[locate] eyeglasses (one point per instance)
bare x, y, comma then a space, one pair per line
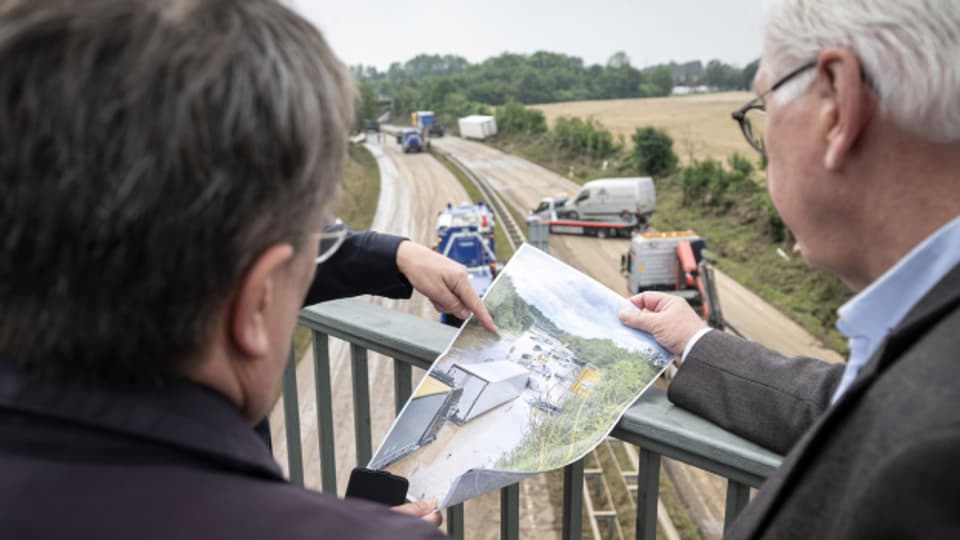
752, 117
331, 239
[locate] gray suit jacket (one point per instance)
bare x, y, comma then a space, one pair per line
880, 463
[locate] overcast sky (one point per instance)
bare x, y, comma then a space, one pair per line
378, 32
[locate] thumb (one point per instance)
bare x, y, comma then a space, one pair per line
639, 319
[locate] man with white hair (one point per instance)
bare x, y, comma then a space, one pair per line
862, 137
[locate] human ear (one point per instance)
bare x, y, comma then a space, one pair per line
849, 104
255, 297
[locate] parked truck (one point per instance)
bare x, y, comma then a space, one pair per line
602, 208
411, 140
674, 262
465, 234
478, 127
612, 199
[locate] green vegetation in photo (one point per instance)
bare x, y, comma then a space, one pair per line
553, 440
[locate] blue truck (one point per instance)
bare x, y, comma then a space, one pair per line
412, 140
465, 234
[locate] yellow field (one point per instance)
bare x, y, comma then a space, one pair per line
700, 125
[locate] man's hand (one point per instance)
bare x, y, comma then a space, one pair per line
669, 318
425, 510
444, 282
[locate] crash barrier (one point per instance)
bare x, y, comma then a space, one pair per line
652, 423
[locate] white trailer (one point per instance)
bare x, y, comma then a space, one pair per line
477, 126
485, 385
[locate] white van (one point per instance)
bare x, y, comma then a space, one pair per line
611, 199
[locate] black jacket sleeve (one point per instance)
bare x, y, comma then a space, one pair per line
366, 263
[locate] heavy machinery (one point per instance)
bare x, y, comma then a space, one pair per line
674, 262
465, 234
412, 140
553, 212
602, 208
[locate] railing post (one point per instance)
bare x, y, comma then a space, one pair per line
321, 378
648, 492
738, 495
401, 383
510, 512
573, 501
361, 404
455, 521
291, 414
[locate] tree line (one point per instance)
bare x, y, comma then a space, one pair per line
451, 84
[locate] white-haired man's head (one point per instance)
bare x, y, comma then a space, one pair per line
909, 50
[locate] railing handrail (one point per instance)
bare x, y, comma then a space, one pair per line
652, 422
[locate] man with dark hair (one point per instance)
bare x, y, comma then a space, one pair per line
167, 170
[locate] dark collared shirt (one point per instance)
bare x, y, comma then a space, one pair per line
170, 461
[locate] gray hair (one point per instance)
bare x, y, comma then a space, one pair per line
149, 151
910, 49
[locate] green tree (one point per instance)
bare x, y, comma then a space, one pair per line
366, 102
749, 73
653, 152
661, 81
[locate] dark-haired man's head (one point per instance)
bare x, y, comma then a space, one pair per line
164, 167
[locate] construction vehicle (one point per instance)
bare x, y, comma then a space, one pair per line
603, 208
674, 262
411, 140
465, 234
553, 212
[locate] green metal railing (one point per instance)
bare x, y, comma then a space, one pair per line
652, 423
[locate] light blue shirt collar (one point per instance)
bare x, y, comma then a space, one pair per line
868, 317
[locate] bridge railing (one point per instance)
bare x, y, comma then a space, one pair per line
652, 423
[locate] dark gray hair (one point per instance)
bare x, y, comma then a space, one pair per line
149, 151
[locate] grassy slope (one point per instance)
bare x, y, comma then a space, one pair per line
357, 206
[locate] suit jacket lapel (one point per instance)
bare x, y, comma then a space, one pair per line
940, 301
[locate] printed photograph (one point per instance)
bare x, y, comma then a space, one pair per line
537, 396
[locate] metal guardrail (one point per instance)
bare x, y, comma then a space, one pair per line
652, 423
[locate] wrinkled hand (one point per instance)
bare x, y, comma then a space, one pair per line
425, 510
669, 318
444, 282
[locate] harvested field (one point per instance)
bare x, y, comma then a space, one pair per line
700, 125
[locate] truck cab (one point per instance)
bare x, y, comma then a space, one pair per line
550, 208
465, 234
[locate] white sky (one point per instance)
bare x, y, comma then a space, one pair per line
378, 32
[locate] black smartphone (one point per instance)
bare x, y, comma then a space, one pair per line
377, 486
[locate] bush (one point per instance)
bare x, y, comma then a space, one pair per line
588, 137
515, 118
653, 152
